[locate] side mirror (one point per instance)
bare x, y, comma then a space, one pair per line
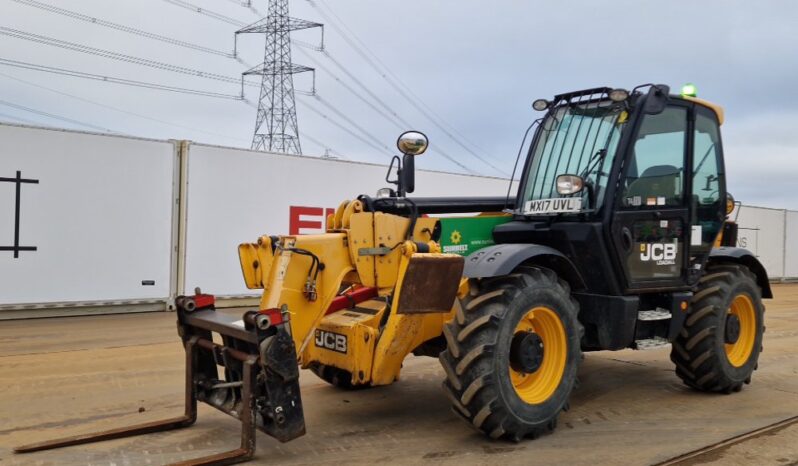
657, 99
570, 184
411, 144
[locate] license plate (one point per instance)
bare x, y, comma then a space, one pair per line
553, 206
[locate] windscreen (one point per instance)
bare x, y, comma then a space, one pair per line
577, 139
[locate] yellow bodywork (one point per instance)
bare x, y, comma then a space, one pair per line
360, 249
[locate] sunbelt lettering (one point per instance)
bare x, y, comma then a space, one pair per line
456, 248
331, 341
661, 253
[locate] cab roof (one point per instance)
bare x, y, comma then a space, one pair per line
712, 106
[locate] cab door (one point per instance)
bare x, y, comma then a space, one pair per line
651, 221
708, 208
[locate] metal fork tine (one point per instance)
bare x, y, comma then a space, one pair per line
185, 420
138, 429
247, 417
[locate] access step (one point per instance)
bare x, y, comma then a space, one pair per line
656, 314
651, 343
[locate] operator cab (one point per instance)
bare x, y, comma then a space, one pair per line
629, 186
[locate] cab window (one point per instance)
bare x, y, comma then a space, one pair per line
654, 176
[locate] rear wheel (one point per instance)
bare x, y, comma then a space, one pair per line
719, 346
512, 354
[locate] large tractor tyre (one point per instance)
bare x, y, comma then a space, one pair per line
718, 347
336, 377
513, 350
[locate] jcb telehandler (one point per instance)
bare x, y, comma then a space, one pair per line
608, 243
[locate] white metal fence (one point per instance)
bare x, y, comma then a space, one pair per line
120, 223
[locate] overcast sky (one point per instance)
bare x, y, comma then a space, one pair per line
477, 65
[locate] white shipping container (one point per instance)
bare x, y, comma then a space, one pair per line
761, 231
791, 246
100, 216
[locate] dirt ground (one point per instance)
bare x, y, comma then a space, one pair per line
75, 375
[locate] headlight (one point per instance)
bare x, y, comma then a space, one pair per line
385, 192
619, 95
541, 104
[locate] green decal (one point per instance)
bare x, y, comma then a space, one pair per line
464, 235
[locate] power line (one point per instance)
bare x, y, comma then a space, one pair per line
109, 107
247, 4
146, 62
344, 128
353, 91
321, 144
365, 88
118, 56
393, 75
137, 60
18, 119
396, 120
54, 116
344, 117
393, 82
122, 27
206, 12
316, 141
110, 79
406, 125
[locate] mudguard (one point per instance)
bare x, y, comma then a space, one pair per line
502, 259
747, 258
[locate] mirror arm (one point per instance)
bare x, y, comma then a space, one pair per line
407, 175
398, 161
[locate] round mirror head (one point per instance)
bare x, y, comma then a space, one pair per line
412, 142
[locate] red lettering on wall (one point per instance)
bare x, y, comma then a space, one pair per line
302, 218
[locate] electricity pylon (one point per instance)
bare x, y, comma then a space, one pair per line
276, 128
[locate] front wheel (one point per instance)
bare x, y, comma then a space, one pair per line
718, 347
513, 351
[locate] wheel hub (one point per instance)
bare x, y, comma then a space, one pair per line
732, 332
526, 352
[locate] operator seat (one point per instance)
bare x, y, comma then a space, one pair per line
657, 181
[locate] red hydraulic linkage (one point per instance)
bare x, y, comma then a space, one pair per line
351, 298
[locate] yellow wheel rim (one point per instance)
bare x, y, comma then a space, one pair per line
739, 351
539, 386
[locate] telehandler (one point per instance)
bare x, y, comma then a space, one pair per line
611, 241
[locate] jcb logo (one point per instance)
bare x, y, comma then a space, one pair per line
331, 341
662, 253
